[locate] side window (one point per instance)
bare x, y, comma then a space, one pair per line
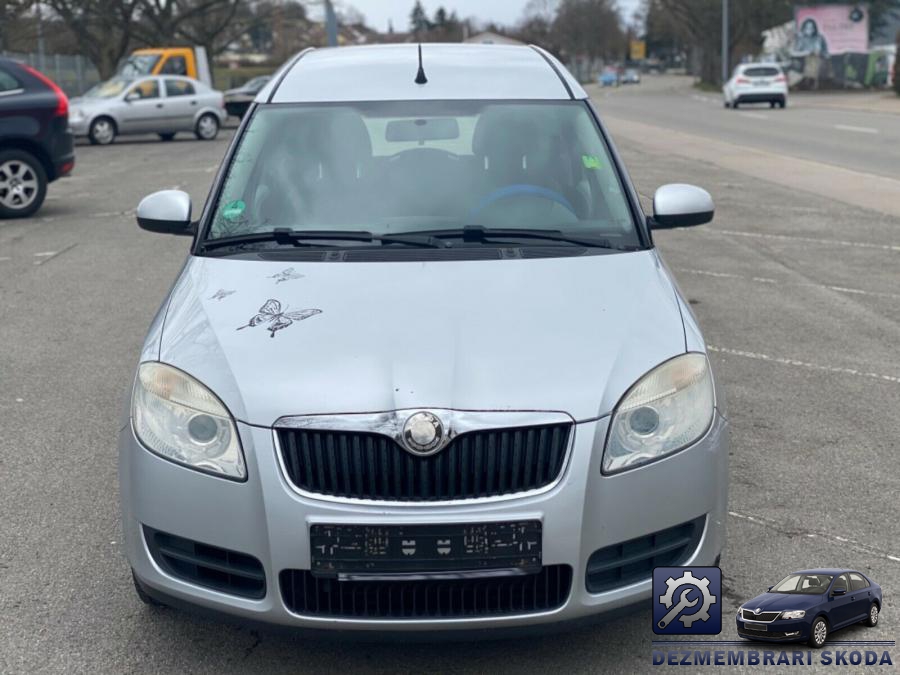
841, 582
857, 582
179, 88
145, 89
8, 82
174, 65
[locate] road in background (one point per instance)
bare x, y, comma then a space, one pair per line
798, 296
834, 129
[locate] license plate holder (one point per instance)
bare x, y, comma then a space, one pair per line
753, 625
432, 549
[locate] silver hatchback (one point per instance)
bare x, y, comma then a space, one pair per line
162, 105
424, 368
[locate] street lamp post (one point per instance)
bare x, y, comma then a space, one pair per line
724, 41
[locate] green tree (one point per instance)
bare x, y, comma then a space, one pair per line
418, 19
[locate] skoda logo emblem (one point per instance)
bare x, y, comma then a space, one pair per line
423, 433
757, 610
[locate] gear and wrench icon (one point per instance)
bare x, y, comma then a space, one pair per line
701, 585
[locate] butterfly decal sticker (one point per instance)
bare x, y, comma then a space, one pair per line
276, 318
285, 275
221, 294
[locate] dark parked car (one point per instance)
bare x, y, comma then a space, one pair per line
810, 605
239, 99
35, 143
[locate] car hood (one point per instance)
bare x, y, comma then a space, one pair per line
770, 602
565, 334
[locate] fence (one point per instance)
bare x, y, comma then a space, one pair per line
74, 74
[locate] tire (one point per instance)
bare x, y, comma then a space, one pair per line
818, 634
102, 131
872, 621
142, 594
23, 184
782, 104
167, 136
735, 105
772, 104
207, 127
727, 104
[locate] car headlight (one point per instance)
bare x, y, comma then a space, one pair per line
182, 420
75, 114
666, 410
794, 614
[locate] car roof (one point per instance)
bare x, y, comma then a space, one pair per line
831, 570
453, 71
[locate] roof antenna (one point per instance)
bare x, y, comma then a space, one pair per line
420, 76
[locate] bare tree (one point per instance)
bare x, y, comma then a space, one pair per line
102, 28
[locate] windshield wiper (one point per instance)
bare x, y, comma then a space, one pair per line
288, 237
484, 235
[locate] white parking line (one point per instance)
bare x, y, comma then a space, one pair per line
767, 280
755, 116
804, 364
858, 130
844, 542
812, 240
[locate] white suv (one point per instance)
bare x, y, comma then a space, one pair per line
756, 83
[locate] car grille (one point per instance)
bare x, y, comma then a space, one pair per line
634, 560
476, 464
209, 566
749, 632
762, 616
309, 595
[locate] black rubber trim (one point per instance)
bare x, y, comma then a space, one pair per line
286, 70
555, 70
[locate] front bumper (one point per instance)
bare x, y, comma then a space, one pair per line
790, 630
262, 517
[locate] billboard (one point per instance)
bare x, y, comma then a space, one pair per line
638, 50
825, 30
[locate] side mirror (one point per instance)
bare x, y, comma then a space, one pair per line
838, 590
679, 205
771, 587
166, 211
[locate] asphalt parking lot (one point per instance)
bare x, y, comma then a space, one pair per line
798, 296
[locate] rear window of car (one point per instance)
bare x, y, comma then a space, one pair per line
761, 72
179, 88
857, 582
8, 82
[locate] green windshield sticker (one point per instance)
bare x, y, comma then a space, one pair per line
591, 161
233, 210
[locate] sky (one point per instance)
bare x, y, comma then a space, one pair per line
508, 12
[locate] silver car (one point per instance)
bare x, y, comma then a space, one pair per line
424, 368
162, 105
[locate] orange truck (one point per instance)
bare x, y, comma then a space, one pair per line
188, 61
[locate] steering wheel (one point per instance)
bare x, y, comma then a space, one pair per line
523, 189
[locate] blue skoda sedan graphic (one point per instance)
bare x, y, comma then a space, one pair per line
810, 605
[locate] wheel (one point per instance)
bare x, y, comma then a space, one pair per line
727, 104
772, 104
207, 127
23, 184
142, 594
782, 104
873, 616
103, 131
167, 136
735, 105
819, 633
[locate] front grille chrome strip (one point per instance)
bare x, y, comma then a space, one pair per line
390, 424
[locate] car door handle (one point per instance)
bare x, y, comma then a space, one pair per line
852, 597
159, 105
193, 102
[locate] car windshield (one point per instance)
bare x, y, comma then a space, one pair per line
761, 72
414, 166
109, 89
807, 584
256, 83
138, 64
